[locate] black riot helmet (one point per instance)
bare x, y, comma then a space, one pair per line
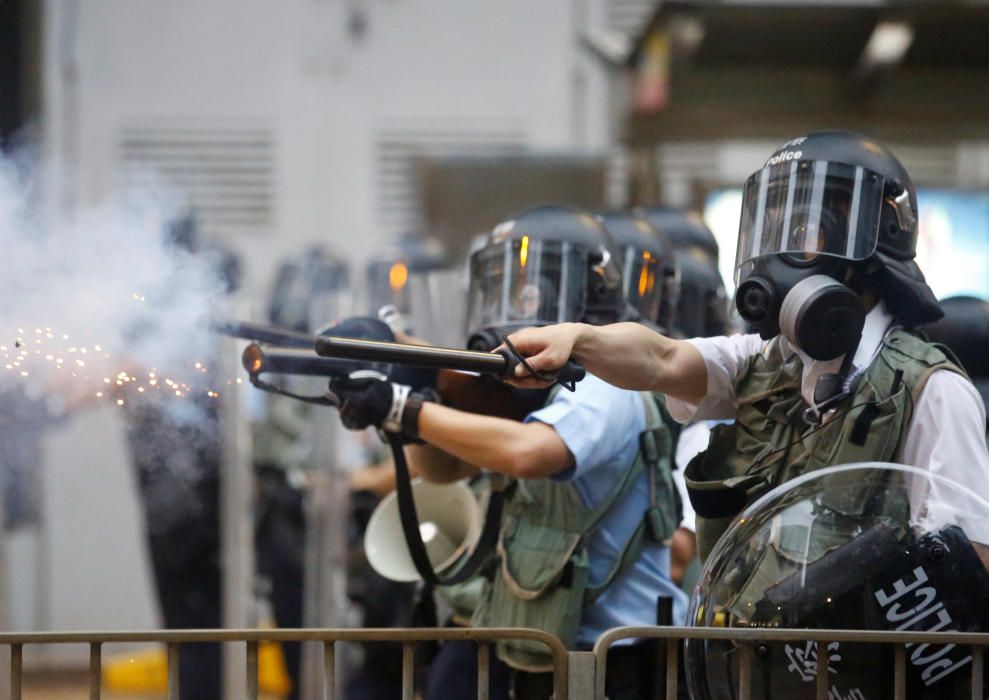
700, 308
646, 259
683, 228
547, 264
302, 280
829, 214
965, 331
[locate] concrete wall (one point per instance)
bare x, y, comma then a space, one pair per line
325, 88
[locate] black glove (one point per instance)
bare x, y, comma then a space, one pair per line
372, 400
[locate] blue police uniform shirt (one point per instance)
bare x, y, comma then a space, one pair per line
600, 425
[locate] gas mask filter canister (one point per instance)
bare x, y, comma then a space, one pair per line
822, 317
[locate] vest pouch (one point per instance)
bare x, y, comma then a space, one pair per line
541, 584
662, 523
464, 598
872, 434
716, 491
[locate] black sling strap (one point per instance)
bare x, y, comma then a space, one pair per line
413, 538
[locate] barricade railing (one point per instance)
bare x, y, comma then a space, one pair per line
750, 638
591, 664
173, 639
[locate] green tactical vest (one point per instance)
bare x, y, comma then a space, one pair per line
770, 443
541, 573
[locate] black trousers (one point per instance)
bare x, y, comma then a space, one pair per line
280, 534
186, 568
176, 458
453, 674
634, 672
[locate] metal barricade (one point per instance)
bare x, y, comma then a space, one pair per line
591, 664
252, 637
747, 638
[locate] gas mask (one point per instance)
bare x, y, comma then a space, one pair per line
806, 226
807, 303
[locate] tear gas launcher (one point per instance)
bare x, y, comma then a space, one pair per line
470, 386
500, 364
260, 333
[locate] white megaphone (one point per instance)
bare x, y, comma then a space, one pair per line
449, 522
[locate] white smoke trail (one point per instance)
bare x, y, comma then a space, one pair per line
101, 302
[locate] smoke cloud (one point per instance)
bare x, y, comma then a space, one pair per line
103, 303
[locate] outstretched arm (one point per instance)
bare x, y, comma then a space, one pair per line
628, 355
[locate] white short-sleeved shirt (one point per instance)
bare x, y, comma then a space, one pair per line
693, 440
946, 434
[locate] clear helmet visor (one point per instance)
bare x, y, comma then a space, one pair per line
436, 306
524, 282
430, 301
642, 276
807, 208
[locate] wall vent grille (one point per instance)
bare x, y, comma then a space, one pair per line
398, 199
226, 174
629, 16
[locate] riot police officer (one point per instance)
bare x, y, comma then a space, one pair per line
601, 505
699, 310
649, 273
652, 288
700, 305
826, 274
175, 449
307, 285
